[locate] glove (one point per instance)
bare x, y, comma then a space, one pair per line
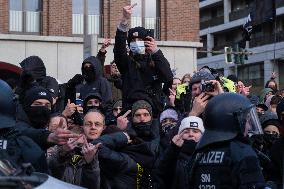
76, 80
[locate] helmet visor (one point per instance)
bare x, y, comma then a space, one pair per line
252, 126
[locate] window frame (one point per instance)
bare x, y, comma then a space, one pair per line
24, 20
101, 20
157, 30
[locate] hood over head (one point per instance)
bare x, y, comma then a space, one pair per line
95, 62
35, 66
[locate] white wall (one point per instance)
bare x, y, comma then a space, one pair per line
63, 55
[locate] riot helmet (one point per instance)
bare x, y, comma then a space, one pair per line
7, 106
227, 116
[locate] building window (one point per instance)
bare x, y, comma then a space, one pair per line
94, 17
281, 73
145, 14
25, 16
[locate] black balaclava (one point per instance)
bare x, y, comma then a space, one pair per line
89, 73
38, 115
89, 97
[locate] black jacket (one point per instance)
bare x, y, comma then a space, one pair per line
21, 149
99, 85
229, 164
35, 66
173, 168
143, 77
126, 165
276, 171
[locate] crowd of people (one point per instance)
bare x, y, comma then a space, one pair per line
133, 124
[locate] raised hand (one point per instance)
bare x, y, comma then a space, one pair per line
106, 44
70, 145
172, 97
151, 45
122, 121
127, 11
89, 151
69, 109
217, 88
61, 136
199, 104
178, 139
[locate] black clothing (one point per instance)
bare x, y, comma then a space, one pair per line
276, 171
173, 170
95, 82
126, 165
229, 164
36, 67
39, 136
18, 148
143, 76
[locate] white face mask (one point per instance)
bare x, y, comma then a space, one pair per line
137, 47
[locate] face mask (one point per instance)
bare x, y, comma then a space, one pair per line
143, 130
270, 138
168, 127
137, 47
38, 116
188, 147
89, 74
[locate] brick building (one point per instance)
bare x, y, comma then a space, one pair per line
221, 24
175, 25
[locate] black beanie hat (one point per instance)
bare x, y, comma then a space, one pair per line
137, 32
274, 122
36, 93
200, 75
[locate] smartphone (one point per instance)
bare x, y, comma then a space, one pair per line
79, 102
107, 69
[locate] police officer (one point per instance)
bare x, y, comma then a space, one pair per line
14, 147
223, 157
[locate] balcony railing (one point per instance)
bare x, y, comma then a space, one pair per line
279, 3
213, 22
94, 24
24, 21
235, 15
266, 39
148, 23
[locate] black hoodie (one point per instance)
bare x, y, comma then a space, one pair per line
98, 84
35, 66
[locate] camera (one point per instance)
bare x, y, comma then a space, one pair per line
206, 87
150, 33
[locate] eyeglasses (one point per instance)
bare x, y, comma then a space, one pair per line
90, 124
117, 109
